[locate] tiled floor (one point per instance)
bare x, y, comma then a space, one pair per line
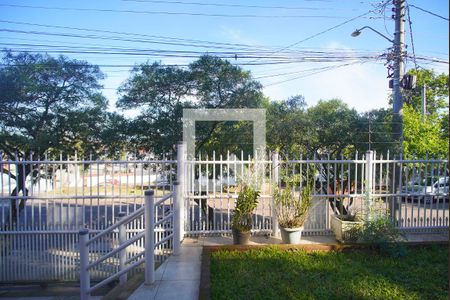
178, 278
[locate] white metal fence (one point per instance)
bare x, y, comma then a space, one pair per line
413, 191
40, 241
39, 225
167, 223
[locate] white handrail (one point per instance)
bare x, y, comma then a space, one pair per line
134, 257
164, 198
117, 275
127, 219
117, 250
163, 219
164, 240
149, 237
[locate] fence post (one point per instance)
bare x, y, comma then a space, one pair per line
83, 238
176, 218
149, 216
276, 175
369, 185
181, 174
123, 253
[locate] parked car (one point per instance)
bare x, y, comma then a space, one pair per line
428, 189
438, 190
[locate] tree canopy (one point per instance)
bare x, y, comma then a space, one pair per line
161, 92
56, 104
429, 133
50, 103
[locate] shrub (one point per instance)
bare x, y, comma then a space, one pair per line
245, 204
381, 234
292, 211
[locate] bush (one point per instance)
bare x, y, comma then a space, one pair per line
245, 204
380, 233
292, 211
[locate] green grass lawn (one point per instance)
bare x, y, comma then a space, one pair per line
272, 273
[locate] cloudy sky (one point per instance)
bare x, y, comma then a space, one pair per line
291, 47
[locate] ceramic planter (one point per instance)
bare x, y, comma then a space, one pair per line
291, 235
241, 237
344, 230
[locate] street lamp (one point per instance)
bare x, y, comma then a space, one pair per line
397, 109
357, 32
398, 41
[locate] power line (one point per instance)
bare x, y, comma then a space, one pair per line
96, 37
321, 32
318, 70
189, 42
225, 5
169, 12
427, 11
411, 37
130, 34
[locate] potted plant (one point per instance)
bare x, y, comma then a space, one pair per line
346, 227
242, 221
292, 211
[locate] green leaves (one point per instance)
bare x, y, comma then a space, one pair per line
161, 93
245, 205
422, 136
291, 210
49, 103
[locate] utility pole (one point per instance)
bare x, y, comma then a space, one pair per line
399, 43
397, 124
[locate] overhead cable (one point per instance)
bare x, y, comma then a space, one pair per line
146, 12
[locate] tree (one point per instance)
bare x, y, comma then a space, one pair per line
286, 124
422, 137
437, 88
161, 92
333, 128
47, 104
376, 129
429, 133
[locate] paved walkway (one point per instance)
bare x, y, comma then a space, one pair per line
177, 278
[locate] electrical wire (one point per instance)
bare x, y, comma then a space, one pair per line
131, 34
319, 70
321, 32
146, 12
327, 30
427, 11
411, 36
225, 5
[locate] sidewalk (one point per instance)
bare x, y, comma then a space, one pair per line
177, 278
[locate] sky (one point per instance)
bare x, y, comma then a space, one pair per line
292, 47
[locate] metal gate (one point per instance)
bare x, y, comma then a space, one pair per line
414, 192
40, 224
39, 242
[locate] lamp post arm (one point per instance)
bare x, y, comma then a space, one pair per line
376, 31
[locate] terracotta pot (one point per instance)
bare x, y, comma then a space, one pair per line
241, 237
291, 235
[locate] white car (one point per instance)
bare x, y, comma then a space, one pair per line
438, 190
428, 190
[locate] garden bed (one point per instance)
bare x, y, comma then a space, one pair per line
275, 272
